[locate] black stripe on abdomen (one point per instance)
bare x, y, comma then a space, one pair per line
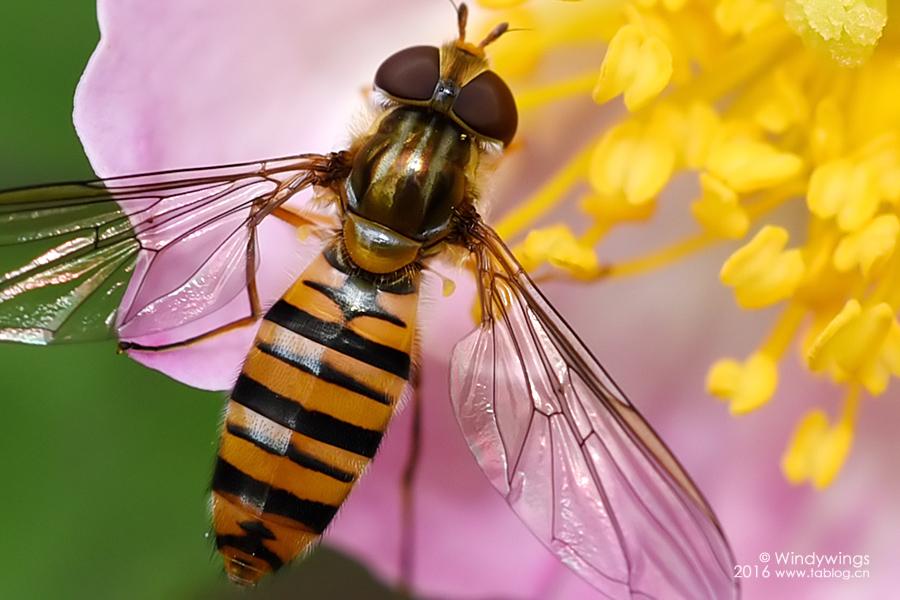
352, 303
319, 368
228, 479
314, 424
339, 338
293, 454
252, 543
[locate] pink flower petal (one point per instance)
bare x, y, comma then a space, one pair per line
195, 83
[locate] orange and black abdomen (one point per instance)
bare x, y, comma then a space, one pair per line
308, 411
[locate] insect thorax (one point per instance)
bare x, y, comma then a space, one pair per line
406, 178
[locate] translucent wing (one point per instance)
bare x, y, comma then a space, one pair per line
571, 455
136, 255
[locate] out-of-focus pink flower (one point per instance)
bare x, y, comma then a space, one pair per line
200, 83
196, 82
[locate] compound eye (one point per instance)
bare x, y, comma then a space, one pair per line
411, 74
486, 105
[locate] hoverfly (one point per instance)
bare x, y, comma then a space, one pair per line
333, 356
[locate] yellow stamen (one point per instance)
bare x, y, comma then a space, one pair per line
735, 66
662, 258
547, 198
888, 290
826, 137
744, 16
558, 90
818, 450
718, 209
845, 190
726, 92
749, 385
637, 64
690, 245
784, 331
868, 247
559, 247
763, 272
748, 165
592, 236
632, 161
857, 345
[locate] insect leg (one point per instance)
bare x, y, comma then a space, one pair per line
292, 218
407, 478
252, 290
237, 324
304, 222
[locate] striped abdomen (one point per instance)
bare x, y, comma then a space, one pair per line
308, 410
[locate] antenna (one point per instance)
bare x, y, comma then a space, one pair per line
495, 34
462, 19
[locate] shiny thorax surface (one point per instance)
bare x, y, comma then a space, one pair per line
411, 172
308, 410
406, 178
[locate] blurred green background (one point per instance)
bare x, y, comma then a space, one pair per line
106, 465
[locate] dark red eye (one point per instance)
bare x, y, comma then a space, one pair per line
410, 74
487, 106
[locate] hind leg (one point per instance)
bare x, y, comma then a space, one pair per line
407, 480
